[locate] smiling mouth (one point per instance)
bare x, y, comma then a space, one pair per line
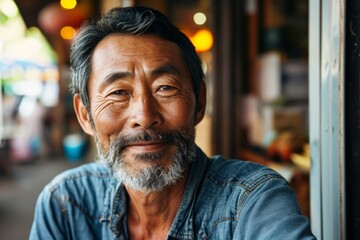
147, 146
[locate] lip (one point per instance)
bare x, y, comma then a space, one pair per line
147, 146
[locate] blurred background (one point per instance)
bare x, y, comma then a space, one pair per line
255, 57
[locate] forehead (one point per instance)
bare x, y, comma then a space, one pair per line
121, 48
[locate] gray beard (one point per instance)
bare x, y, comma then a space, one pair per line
155, 177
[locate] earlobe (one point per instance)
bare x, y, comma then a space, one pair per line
201, 105
82, 115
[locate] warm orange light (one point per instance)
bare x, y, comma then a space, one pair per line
67, 32
68, 4
202, 40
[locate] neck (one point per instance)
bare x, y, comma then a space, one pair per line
150, 215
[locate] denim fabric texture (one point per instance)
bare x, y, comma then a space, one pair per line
224, 199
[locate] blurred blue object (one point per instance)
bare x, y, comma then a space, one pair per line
74, 147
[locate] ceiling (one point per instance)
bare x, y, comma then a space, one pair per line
30, 9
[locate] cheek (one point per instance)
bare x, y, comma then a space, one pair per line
108, 120
181, 113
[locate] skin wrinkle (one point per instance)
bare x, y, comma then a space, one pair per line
102, 102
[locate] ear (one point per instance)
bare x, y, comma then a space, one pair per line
201, 105
82, 115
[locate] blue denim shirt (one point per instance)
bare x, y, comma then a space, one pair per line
224, 199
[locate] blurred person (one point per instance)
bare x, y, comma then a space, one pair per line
139, 91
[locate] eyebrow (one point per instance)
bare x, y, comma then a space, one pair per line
167, 68
116, 76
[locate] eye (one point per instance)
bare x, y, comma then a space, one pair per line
120, 92
166, 91
166, 88
119, 95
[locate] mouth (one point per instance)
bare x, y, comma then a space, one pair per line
147, 146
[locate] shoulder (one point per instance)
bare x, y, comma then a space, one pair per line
87, 188
82, 195
228, 187
237, 195
84, 180
235, 172
86, 172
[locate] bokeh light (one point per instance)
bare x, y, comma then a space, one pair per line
199, 18
68, 4
67, 32
202, 40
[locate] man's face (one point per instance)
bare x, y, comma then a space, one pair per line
143, 109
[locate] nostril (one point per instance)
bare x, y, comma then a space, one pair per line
145, 125
145, 120
144, 112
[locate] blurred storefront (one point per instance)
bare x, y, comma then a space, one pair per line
36, 108
29, 85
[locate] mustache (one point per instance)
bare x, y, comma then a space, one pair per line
175, 137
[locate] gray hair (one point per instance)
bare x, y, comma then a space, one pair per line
132, 21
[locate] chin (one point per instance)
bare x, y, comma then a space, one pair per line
151, 171
152, 178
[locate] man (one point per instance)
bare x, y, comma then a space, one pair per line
139, 91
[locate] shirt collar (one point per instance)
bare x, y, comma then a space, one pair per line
182, 226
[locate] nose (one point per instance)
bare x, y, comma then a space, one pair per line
145, 112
